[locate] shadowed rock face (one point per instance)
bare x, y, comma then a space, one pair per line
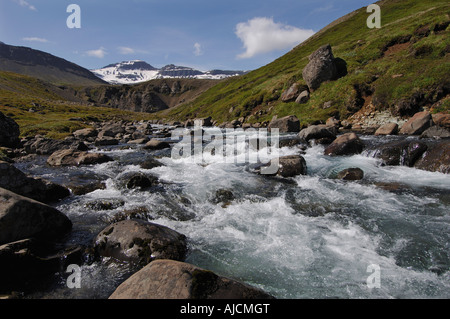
9, 131
21, 218
168, 279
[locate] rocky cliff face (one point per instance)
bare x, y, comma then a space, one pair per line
147, 97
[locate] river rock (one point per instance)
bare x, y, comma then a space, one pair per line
45, 146
404, 153
13, 179
436, 158
168, 279
155, 144
436, 132
106, 141
442, 119
286, 124
72, 157
351, 174
142, 181
288, 166
112, 129
346, 144
387, 129
140, 242
321, 68
313, 132
223, 196
417, 124
9, 131
22, 218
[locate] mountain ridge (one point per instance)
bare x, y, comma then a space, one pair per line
139, 71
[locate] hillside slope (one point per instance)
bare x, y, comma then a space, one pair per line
400, 68
44, 66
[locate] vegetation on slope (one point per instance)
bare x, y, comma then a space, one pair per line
401, 67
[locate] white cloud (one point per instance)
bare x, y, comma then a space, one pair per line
126, 50
35, 39
262, 35
99, 53
25, 4
198, 49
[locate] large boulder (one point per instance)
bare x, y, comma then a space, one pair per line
286, 124
387, 129
9, 131
22, 218
72, 157
404, 153
140, 242
320, 131
436, 158
13, 179
417, 124
321, 68
346, 144
112, 129
168, 279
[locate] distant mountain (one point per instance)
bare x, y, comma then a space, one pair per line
44, 66
137, 71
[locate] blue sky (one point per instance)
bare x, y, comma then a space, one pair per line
205, 34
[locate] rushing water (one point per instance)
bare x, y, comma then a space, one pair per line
309, 236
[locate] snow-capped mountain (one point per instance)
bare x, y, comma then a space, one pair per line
137, 71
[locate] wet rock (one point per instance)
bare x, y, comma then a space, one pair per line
292, 141
436, 132
13, 179
168, 279
22, 217
9, 131
400, 152
105, 204
286, 124
112, 129
72, 157
387, 129
351, 174
140, 242
86, 188
417, 124
436, 158
317, 132
288, 166
150, 163
346, 144
139, 141
155, 144
142, 181
106, 141
223, 196
28, 262
321, 68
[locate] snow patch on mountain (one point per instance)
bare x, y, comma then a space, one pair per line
137, 71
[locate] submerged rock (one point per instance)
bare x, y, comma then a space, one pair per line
168, 279
140, 242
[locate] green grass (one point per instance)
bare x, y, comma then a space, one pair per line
424, 65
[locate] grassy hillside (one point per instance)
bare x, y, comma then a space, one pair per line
42, 108
402, 67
